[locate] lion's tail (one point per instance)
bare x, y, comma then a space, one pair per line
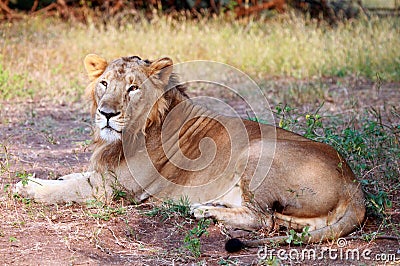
352, 217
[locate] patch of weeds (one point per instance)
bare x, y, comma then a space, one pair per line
192, 238
298, 238
379, 202
373, 152
170, 208
285, 116
309, 125
99, 210
369, 145
25, 201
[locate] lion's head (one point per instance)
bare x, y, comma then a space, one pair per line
128, 96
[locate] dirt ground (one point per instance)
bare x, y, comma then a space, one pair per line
52, 139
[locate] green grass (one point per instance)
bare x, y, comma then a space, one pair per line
42, 57
170, 208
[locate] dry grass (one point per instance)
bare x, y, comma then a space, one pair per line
43, 57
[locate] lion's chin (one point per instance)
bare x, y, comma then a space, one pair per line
110, 135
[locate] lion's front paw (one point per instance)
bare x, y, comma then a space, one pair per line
28, 189
71, 188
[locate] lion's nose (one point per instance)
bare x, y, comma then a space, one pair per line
108, 113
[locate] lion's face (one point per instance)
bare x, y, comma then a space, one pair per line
125, 91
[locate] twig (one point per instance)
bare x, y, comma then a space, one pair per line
34, 6
45, 9
5, 8
367, 173
116, 239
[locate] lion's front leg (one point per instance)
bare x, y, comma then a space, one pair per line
235, 218
77, 187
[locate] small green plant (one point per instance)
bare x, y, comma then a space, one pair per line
119, 194
285, 116
24, 177
170, 208
99, 210
13, 239
368, 145
271, 261
309, 125
192, 238
6, 188
83, 144
298, 238
369, 237
25, 201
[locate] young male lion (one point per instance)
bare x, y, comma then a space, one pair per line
151, 140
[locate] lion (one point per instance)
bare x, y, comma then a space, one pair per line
151, 140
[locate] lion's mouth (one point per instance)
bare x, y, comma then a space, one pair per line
111, 129
110, 134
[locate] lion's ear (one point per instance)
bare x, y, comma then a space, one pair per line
95, 66
163, 68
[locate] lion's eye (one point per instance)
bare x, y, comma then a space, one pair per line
104, 83
133, 88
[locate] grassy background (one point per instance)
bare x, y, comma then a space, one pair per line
43, 56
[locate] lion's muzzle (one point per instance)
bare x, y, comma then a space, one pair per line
107, 120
